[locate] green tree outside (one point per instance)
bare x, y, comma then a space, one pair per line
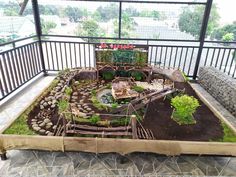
190, 20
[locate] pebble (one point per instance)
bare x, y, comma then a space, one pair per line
75, 93
74, 97
50, 134
42, 124
47, 120
54, 127
81, 114
41, 107
42, 131
45, 104
88, 109
33, 120
36, 128
53, 106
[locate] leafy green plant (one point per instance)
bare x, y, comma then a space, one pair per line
138, 88
108, 75
114, 105
93, 92
68, 91
137, 75
94, 119
63, 105
229, 135
184, 107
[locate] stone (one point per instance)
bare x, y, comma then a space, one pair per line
49, 103
41, 107
88, 109
33, 120
53, 106
46, 120
45, 104
54, 127
81, 114
42, 124
48, 126
36, 128
75, 93
42, 131
74, 97
50, 134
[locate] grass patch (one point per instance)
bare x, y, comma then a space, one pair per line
229, 135
20, 127
138, 89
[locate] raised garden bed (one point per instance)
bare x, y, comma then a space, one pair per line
69, 116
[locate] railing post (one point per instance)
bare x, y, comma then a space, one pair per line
38, 32
202, 35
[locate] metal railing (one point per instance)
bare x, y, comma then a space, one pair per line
22, 63
18, 66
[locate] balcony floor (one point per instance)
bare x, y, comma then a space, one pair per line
40, 163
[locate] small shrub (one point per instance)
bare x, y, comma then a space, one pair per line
114, 105
184, 107
138, 76
108, 75
94, 119
108, 86
138, 88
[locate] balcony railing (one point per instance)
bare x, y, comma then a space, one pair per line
22, 63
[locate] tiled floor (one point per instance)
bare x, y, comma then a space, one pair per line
28, 163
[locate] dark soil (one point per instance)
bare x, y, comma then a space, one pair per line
158, 119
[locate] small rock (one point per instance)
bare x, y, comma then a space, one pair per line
36, 128
50, 134
47, 120
42, 131
33, 120
48, 126
75, 93
41, 107
74, 97
53, 106
49, 103
81, 114
54, 127
42, 124
88, 109
45, 104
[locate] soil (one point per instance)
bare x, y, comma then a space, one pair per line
158, 119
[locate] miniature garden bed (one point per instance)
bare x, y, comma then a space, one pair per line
92, 125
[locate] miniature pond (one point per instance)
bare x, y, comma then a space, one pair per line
78, 106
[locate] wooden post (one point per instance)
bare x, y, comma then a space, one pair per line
134, 126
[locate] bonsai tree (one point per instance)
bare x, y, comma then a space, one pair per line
184, 107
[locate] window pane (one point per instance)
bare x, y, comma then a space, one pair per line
161, 21
12, 25
81, 18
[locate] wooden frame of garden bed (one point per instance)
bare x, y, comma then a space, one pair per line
122, 146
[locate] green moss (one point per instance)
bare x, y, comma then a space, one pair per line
138, 89
97, 104
20, 127
229, 135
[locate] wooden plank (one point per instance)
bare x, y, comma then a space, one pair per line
95, 128
106, 133
122, 146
